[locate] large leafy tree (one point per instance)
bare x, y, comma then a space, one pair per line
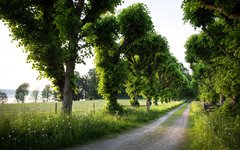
53, 34
143, 48
32, 24
109, 65
21, 92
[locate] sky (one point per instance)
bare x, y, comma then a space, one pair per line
167, 19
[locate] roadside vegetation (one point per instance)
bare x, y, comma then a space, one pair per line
214, 130
53, 131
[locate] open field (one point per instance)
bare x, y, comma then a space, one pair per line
78, 106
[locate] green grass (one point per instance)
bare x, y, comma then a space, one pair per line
29, 130
214, 130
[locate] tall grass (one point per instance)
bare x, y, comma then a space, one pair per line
54, 131
213, 131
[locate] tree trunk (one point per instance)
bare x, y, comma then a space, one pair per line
148, 104
68, 88
235, 99
222, 99
155, 101
112, 106
134, 100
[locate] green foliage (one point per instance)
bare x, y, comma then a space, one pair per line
135, 22
47, 92
229, 109
53, 34
21, 92
93, 81
31, 24
148, 56
109, 65
227, 9
113, 107
87, 86
49, 131
213, 53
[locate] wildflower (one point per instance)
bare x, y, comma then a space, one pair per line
9, 136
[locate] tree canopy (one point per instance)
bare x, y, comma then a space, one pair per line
214, 52
127, 48
53, 34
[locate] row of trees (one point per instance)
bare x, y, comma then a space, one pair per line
23, 90
129, 52
214, 53
57, 34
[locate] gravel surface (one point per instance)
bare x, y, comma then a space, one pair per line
153, 136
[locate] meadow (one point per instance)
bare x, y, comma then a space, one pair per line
36, 126
218, 130
78, 106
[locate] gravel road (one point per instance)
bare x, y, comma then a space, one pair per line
153, 136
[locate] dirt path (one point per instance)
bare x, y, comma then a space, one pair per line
150, 137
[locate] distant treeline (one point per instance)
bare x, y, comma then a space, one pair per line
10, 93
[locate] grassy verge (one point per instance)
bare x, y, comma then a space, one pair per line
216, 130
174, 116
54, 131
